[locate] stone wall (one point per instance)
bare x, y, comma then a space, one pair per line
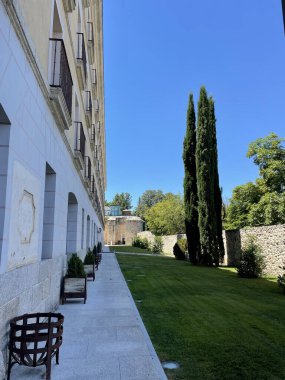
167, 241
271, 239
28, 289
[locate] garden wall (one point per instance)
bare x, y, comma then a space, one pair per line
167, 241
270, 238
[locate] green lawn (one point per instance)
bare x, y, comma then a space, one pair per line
127, 248
215, 324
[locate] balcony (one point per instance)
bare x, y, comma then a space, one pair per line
81, 62
79, 146
87, 170
88, 108
92, 136
60, 83
90, 41
69, 5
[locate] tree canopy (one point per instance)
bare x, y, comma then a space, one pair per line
124, 200
167, 217
262, 202
148, 199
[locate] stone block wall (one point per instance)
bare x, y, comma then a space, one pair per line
167, 241
271, 239
28, 289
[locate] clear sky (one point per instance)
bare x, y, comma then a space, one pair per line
156, 52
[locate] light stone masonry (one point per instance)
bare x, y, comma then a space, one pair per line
28, 289
271, 239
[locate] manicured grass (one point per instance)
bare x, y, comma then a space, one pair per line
215, 324
127, 248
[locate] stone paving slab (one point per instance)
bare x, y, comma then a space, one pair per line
104, 339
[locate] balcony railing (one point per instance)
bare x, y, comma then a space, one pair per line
87, 168
60, 72
90, 35
88, 101
93, 184
79, 139
92, 133
94, 76
81, 52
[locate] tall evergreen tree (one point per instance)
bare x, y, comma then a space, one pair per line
190, 184
205, 183
217, 191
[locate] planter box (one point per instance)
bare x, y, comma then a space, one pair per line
90, 271
74, 287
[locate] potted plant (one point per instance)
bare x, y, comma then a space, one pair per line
89, 264
74, 283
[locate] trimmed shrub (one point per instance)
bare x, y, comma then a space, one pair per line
140, 243
89, 258
157, 245
252, 262
178, 252
281, 280
75, 267
183, 245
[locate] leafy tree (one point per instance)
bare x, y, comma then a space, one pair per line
167, 217
190, 184
124, 200
269, 210
262, 202
269, 154
244, 196
148, 199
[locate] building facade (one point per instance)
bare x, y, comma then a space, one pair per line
113, 211
52, 148
122, 229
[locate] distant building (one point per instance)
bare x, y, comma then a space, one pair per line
113, 211
127, 212
122, 229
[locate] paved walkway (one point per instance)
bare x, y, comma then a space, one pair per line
104, 339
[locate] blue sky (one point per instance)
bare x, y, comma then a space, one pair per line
158, 51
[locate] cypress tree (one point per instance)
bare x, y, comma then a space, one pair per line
205, 183
217, 191
190, 184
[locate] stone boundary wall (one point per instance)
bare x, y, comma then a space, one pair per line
167, 241
28, 289
271, 239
